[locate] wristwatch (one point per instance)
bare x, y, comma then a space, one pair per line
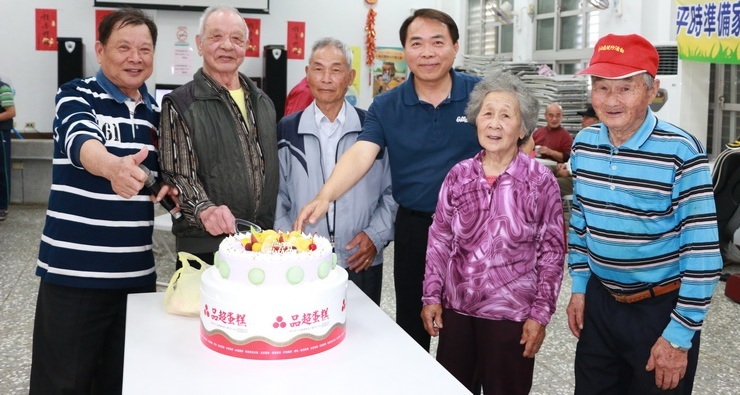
677, 347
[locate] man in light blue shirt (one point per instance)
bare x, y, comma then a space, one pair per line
360, 222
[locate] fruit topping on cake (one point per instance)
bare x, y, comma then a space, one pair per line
271, 241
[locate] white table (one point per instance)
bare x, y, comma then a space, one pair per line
164, 355
163, 222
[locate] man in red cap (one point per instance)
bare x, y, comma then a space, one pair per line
643, 242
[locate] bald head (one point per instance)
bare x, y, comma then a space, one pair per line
554, 115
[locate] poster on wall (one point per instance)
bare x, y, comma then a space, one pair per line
708, 31
253, 48
46, 29
353, 92
182, 53
296, 40
388, 70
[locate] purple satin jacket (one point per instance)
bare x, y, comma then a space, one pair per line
497, 251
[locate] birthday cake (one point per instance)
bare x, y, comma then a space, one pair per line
273, 295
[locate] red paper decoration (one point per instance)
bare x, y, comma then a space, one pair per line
253, 49
46, 29
99, 15
370, 37
296, 39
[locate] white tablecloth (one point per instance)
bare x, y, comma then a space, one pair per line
164, 355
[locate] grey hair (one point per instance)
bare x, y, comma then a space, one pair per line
333, 42
215, 8
649, 80
529, 106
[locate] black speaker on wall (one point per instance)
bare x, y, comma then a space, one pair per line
69, 59
275, 76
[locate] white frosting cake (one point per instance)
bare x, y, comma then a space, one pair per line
286, 300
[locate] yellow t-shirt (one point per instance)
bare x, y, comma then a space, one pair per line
238, 96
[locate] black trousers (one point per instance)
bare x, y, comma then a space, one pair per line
485, 353
370, 281
409, 257
615, 344
4, 169
78, 340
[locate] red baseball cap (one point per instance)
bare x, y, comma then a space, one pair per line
617, 57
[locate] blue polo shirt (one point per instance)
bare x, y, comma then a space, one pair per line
423, 142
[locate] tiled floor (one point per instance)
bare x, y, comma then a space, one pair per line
719, 371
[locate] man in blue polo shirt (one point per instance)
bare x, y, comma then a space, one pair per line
644, 252
423, 126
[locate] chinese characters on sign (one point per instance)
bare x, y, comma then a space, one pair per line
296, 40
46, 29
297, 320
227, 317
253, 48
708, 31
309, 318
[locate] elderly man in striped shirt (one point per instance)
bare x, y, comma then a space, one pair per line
643, 241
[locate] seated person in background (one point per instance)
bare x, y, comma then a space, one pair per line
589, 117
553, 141
562, 171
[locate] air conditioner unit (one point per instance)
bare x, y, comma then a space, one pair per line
667, 103
683, 99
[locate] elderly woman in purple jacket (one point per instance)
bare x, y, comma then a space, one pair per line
496, 250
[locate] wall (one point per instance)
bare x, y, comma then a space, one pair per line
33, 73
34, 76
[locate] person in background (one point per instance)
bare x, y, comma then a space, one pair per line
360, 223
552, 141
219, 146
562, 170
643, 242
7, 112
494, 259
588, 116
423, 126
298, 98
96, 246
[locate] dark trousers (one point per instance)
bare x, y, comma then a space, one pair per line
4, 169
409, 257
78, 340
481, 352
615, 344
370, 281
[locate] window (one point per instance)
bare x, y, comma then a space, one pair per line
488, 33
565, 32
